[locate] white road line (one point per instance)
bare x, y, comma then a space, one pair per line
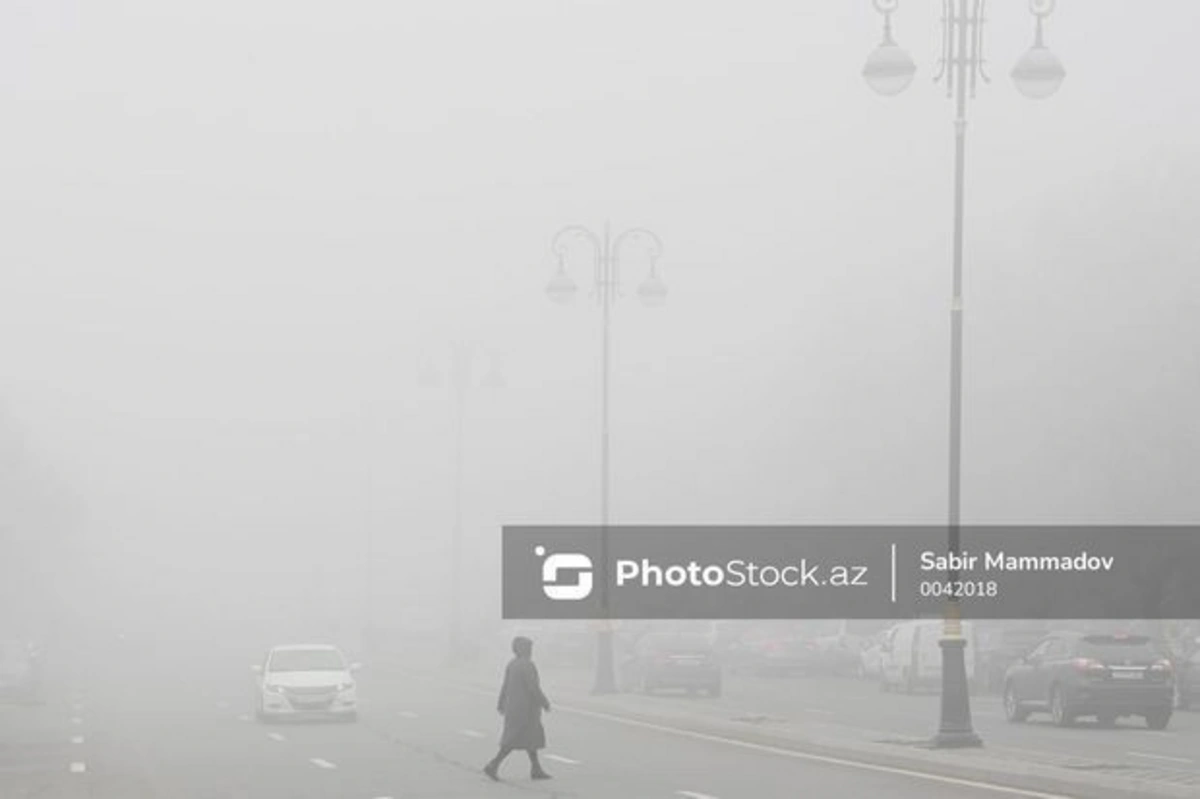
1167, 758
408, 714
561, 759
471, 733
319, 763
274, 736
76, 739
78, 768
694, 795
798, 755
819, 710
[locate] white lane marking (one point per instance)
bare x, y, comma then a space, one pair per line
76, 739
1167, 758
819, 710
472, 733
274, 736
78, 768
76, 720
798, 755
408, 714
561, 759
319, 763
694, 795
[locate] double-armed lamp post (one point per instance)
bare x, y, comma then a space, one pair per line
606, 289
1037, 75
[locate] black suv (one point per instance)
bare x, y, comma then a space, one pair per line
1070, 675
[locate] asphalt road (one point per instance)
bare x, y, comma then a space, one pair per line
141, 726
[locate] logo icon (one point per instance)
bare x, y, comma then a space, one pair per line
571, 562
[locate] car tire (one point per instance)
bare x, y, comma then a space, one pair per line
351, 718
1181, 697
644, 687
1107, 719
1062, 715
1158, 719
1013, 710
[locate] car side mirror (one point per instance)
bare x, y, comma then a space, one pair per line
356, 667
1031, 659
256, 668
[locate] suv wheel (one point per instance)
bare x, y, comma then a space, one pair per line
1158, 719
1013, 711
1062, 715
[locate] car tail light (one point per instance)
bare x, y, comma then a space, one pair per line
1088, 666
1163, 667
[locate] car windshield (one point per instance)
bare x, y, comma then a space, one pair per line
1108, 648
306, 660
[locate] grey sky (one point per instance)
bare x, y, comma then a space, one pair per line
235, 223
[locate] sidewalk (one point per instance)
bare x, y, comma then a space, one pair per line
1048, 774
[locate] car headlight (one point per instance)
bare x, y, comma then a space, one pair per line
346, 686
274, 689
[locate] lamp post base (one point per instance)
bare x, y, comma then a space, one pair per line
954, 728
606, 682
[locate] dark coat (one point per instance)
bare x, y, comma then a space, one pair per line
522, 702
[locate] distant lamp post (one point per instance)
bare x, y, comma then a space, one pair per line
1038, 74
606, 288
462, 381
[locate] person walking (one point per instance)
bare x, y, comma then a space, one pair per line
521, 703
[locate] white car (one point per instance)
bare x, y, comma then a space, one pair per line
306, 681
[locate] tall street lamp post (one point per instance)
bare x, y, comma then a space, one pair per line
606, 288
1037, 75
462, 381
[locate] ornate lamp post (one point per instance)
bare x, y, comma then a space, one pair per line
606, 288
1037, 75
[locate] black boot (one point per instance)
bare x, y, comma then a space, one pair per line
536, 772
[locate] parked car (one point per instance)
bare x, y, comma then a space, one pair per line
912, 655
1072, 675
306, 681
999, 648
671, 660
839, 655
773, 652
